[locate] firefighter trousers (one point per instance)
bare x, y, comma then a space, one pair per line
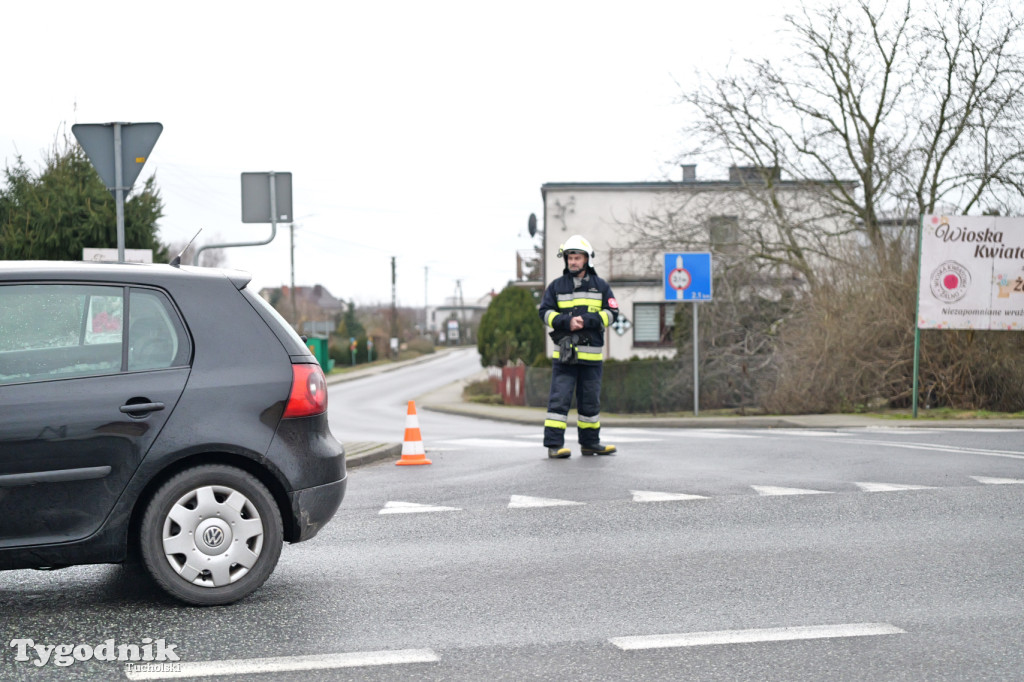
585, 380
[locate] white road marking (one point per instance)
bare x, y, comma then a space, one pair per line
709, 434
534, 442
1012, 454
776, 490
907, 430
751, 636
987, 480
413, 508
889, 487
494, 443
522, 502
652, 496
281, 664
815, 433
616, 438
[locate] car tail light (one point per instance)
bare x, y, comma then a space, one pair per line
309, 392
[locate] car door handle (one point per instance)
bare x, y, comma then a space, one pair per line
138, 408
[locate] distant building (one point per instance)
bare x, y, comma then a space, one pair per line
456, 321
315, 310
608, 215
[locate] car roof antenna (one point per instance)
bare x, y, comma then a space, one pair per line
176, 261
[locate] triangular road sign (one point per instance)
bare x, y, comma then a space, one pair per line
137, 141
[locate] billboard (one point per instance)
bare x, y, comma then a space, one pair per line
972, 273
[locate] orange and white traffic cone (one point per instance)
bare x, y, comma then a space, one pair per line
412, 447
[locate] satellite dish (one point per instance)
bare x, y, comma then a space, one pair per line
533, 224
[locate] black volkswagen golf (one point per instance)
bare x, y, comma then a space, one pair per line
162, 412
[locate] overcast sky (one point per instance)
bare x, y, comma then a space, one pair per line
420, 130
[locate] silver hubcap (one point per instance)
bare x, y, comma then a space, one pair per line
212, 536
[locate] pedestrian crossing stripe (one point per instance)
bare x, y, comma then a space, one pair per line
461, 443
413, 508
889, 487
652, 496
768, 490
523, 501
997, 481
783, 634
799, 433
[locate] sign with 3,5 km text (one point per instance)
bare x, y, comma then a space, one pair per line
687, 276
972, 273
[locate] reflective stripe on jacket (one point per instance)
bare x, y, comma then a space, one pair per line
593, 300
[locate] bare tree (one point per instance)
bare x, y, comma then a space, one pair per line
780, 228
210, 258
882, 112
922, 109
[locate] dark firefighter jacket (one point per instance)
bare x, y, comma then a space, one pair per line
593, 300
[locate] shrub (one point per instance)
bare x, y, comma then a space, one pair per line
423, 345
851, 346
481, 392
510, 329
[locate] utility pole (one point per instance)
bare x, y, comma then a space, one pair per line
463, 328
295, 315
394, 307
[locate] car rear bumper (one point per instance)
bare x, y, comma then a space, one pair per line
313, 507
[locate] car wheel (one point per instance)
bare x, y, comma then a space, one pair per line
211, 535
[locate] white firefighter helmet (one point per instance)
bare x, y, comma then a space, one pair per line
577, 243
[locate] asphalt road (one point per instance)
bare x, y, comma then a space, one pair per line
856, 554
373, 407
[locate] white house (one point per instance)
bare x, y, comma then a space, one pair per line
730, 213
456, 320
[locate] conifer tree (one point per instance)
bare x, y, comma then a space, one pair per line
64, 208
510, 329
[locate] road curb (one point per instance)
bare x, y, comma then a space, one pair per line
448, 403
383, 368
361, 454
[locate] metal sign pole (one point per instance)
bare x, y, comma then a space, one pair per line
273, 231
106, 145
696, 353
917, 329
119, 192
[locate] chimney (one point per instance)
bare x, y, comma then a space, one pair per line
753, 173
689, 172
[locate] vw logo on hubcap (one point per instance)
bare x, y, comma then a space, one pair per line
213, 536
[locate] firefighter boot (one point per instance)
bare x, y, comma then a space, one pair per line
558, 453
598, 450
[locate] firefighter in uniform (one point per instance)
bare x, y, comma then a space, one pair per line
578, 307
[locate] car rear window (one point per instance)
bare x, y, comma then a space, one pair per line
156, 337
292, 342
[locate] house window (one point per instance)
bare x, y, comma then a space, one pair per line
724, 233
653, 324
